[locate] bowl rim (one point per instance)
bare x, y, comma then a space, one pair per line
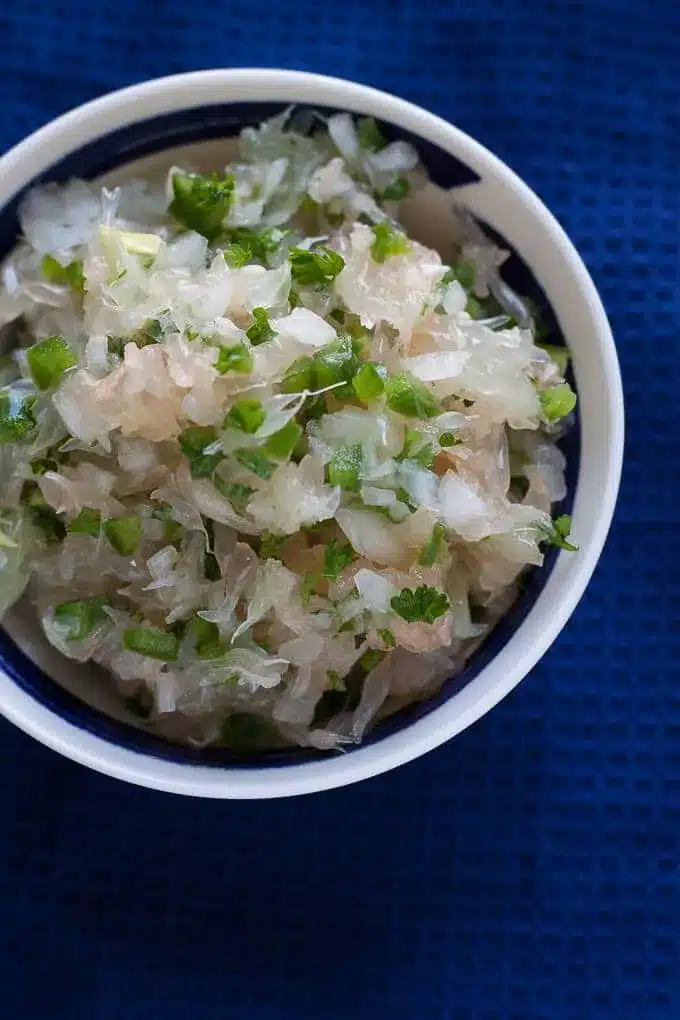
197, 88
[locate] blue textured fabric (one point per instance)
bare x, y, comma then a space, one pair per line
529, 869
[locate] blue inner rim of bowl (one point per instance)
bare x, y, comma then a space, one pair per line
208, 123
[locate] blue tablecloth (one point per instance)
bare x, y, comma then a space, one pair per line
529, 869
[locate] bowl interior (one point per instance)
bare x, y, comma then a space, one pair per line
204, 138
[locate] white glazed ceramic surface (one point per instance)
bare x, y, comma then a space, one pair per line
502, 200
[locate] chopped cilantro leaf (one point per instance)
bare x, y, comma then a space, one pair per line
387, 637
270, 546
298, 376
208, 644
448, 439
369, 381
253, 245
337, 362
337, 556
369, 134
404, 496
425, 604
317, 267
46, 520
235, 492
124, 534
388, 242
464, 272
433, 547
255, 461
558, 534
334, 363
192, 442
173, 532
41, 465
237, 255
234, 359
282, 443
417, 448
395, 191
152, 642
409, 396
48, 360
70, 275
260, 331
343, 468
80, 617
370, 659
87, 522
246, 415
334, 681
16, 417
48, 523
557, 402
201, 201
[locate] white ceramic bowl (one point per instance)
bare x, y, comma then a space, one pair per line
62, 706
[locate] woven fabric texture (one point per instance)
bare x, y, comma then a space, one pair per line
529, 869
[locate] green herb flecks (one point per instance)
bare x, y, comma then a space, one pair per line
202, 201
395, 191
70, 275
433, 548
409, 396
447, 439
388, 242
418, 448
336, 363
370, 659
208, 644
80, 617
281, 444
261, 330
245, 245
16, 416
369, 134
124, 534
270, 546
343, 468
152, 642
245, 415
558, 533
237, 493
424, 604
557, 402
337, 556
234, 359
317, 267
369, 381
87, 522
334, 682
48, 360
192, 442
387, 637
255, 461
